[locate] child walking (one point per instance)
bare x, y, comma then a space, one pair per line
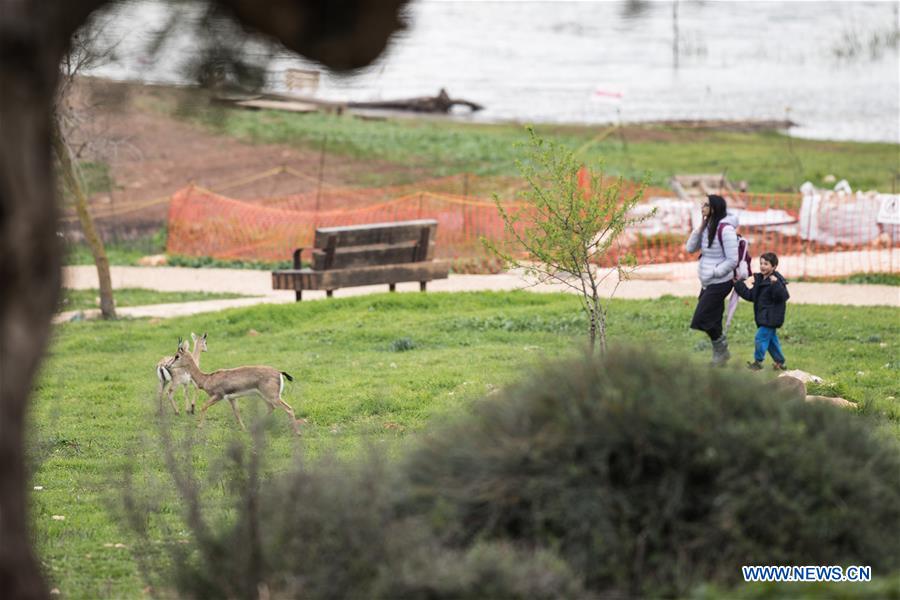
769, 296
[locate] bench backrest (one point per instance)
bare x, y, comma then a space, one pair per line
373, 244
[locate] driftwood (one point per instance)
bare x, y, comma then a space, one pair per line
442, 103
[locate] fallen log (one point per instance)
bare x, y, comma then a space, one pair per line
442, 103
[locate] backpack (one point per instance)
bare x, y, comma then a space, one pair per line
742, 270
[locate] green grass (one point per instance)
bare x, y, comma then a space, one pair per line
83, 299
370, 371
208, 262
864, 278
768, 161
119, 252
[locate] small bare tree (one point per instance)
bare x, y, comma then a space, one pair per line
86, 51
562, 229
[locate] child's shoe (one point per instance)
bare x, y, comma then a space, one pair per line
778, 366
755, 365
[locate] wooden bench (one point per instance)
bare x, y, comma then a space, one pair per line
366, 255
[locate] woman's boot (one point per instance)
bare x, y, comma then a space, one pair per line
720, 351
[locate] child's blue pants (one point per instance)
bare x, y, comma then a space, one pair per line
767, 339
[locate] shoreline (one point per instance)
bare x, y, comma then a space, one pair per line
735, 124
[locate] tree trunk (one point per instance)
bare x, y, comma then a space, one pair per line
34, 36
29, 268
598, 324
73, 183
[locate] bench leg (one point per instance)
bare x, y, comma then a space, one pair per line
392, 287
422, 286
299, 295
329, 293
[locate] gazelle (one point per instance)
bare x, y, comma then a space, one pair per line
175, 377
231, 384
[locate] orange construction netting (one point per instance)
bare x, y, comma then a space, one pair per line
204, 223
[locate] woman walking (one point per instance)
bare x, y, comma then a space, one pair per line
716, 239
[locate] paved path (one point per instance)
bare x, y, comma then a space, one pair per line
648, 283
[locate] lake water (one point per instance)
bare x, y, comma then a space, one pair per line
598, 62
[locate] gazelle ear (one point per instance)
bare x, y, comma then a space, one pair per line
193, 337
204, 335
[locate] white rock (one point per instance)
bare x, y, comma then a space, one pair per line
802, 376
155, 260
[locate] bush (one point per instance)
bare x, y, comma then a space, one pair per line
333, 530
649, 476
484, 571
402, 345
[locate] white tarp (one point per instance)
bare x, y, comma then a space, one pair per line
840, 216
828, 217
889, 216
673, 215
678, 216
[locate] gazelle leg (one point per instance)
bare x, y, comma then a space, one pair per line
290, 411
206, 406
190, 396
172, 397
160, 390
237, 415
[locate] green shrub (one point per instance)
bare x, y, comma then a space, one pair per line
208, 262
330, 530
484, 571
403, 344
649, 476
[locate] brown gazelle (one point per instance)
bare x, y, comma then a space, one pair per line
231, 384
174, 377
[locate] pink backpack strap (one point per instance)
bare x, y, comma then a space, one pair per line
719, 232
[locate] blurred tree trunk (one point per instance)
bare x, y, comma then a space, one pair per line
73, 183
30, 258
34, 37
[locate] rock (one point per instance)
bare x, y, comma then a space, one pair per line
252, 333
802, 376
839, 402
794, 387
154, 260
791, 386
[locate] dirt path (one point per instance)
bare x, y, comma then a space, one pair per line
258, 284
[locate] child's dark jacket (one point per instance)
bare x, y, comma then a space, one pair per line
768, 299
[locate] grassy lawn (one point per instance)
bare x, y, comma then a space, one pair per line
119, 252
768, 161
869, 278
84, 299
370, 372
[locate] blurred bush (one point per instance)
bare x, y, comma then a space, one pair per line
633, 475
649, 476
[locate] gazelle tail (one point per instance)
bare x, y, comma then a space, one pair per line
163, 374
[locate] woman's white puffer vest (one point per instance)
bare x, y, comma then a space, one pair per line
717, 262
